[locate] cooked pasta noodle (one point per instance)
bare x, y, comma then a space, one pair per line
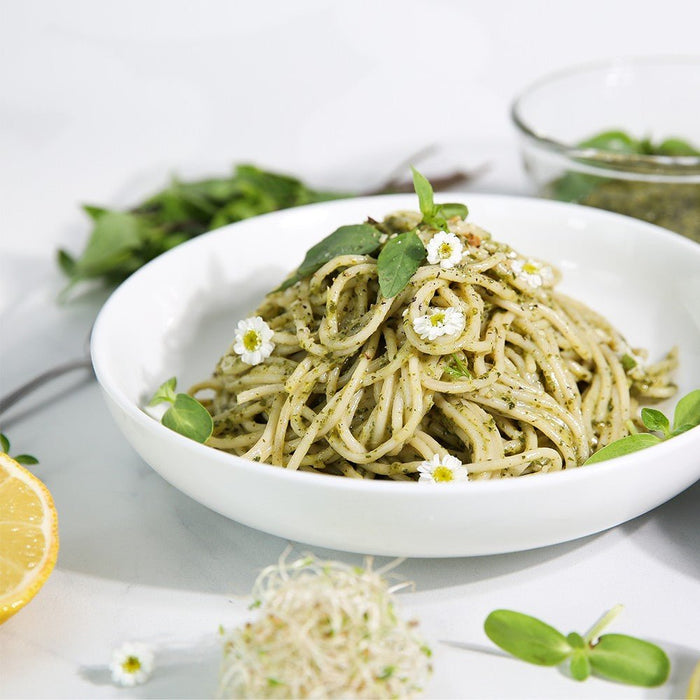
529, 380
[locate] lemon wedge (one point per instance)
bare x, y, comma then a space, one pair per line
693, 692
28, 536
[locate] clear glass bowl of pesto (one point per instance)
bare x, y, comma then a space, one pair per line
622, 135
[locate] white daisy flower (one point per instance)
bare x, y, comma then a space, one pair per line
449, 321
253, 340
441, 469
444, 248
132, 664
532, 272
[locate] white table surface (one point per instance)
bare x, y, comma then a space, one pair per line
99, 102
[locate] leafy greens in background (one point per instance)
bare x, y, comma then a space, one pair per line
686, 416
615, 657
123, 241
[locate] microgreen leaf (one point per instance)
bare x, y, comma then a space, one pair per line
452, 209
576, 640
189, 418
656, 421
687, 413
26, 460
398, 261
625, 659
612, 141
165, 392
424, 190
457, 368
580, 666
359, 239
624, 446
527, 638
4, 443
676, 147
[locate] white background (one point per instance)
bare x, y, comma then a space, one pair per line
100, 102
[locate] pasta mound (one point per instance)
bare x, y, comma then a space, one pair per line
528, 380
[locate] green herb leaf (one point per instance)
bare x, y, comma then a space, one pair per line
452, 209
687, 413
527, 638
576, 640
656, 421
360, 239
114, 237
624, 446
26, 460
94, 212
580, 666
628, 362
165, 392
612, 141
618, 657
676, 147
189, 418
457, 368
398, 261
424, 190
4, 443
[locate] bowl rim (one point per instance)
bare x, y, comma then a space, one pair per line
676, 165
150, 424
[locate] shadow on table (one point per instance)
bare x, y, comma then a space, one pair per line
672, 532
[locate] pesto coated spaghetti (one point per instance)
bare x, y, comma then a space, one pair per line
477, 365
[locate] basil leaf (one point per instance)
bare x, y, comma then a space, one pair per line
113, 238
398, 261
453, 209
26, 460
360, 239
4, 443
580, 666
613, 141
687, 413
189, 418
165, 392
655, 420
618, 657
527, 638
676, 147
424, 190
624, 446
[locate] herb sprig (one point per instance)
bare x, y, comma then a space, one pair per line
615, 657
185, 414
457, 368
686, 416
24, 459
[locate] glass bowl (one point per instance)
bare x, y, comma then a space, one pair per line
653, 102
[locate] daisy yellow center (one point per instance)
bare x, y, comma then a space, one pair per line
131, 664
445, 250
442, 474
437, 318
531, 268
251, 340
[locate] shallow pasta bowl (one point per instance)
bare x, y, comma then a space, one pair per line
177, 316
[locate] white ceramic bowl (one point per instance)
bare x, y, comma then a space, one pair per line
177, 315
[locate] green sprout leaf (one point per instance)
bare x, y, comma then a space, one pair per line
687, 413
458, 368
624, 659
359, 239
676, 147
624, 446
165, 392
580, 666
452, 209
527, 638
4, 443
612, 141
424, 190
189, 418
398, 261
656, 421
26, 460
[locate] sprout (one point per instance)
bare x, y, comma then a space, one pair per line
324, 629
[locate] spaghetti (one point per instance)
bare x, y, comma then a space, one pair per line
482, 360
